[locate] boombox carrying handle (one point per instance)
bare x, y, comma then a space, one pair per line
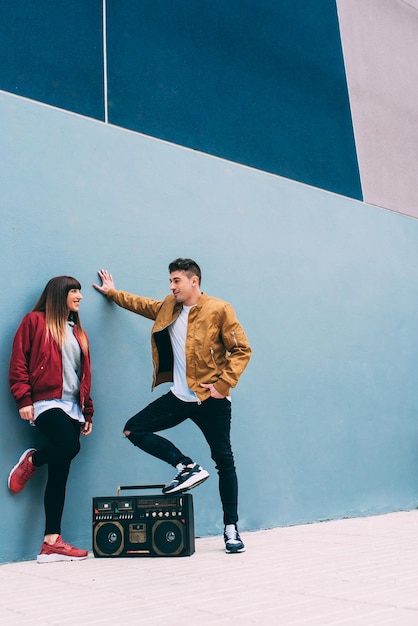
119, 489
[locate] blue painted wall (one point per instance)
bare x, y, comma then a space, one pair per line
323, 285
259, 83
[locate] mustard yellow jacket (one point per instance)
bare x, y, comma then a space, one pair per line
217, 350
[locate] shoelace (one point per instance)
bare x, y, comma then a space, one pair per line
27, 471
231, 534
60, 544
177, 476
63, 544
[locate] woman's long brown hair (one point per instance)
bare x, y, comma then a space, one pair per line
53, 302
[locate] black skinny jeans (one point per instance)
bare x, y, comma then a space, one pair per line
213, 417
63, 435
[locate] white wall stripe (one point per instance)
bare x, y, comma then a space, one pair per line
106, 113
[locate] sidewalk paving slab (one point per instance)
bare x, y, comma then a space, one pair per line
360, 571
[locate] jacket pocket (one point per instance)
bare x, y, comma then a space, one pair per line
36, 375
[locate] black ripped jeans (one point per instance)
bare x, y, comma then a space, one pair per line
63, 435
213, 417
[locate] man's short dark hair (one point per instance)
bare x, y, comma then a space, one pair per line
186, 265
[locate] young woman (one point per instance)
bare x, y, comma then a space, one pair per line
50, 379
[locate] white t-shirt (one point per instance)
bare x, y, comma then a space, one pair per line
71, 359
178, 333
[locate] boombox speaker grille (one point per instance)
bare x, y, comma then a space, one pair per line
108, 538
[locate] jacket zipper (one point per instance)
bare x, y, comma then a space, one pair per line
213, 357
82, 397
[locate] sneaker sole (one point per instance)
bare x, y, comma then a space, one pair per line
232, 551
189, 484
22, 456
54, 558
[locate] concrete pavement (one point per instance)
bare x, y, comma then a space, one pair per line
361, 571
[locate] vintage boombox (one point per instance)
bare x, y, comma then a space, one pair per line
143, 525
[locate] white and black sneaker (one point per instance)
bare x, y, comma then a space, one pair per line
187, 478
233, 542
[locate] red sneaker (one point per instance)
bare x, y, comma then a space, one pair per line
21, 472
60, 551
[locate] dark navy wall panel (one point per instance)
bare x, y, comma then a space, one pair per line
260, 83
53, 52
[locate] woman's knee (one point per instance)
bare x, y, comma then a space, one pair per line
72, 449
67, 449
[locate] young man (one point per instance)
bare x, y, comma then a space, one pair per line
199, 345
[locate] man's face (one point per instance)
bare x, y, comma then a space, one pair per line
184, 288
